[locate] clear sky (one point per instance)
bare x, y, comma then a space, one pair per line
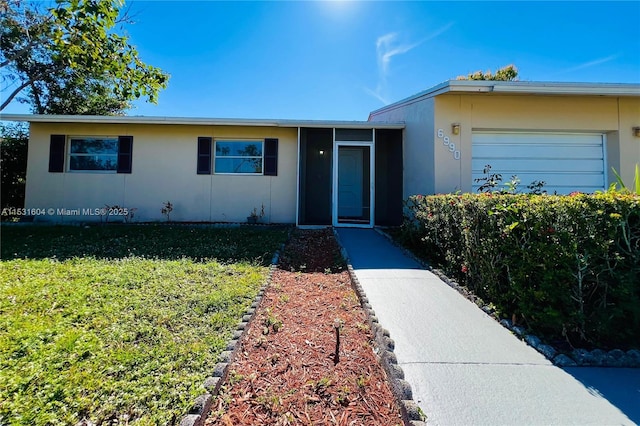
340, 60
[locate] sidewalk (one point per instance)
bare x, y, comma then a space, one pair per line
465, 368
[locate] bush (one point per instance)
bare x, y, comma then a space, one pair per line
13, 163
568, 266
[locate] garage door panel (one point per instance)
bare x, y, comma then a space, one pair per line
537, 138
551, 189
565, 161
551, 179
539, 151
534, 165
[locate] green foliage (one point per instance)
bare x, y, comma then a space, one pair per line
13, 164
166, 210
490, 181
506, 73
199, 243
569, 265
71, 60
116, 337
623, 187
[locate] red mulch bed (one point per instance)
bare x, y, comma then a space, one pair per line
285, 371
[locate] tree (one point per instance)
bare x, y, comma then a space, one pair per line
506, 73
68, 59
13, 164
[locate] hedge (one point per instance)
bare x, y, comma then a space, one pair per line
567, 266
13, 165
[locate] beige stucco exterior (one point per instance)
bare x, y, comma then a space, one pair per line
164, 169
433, 168
435, 159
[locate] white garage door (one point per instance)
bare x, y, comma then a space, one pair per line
566, 162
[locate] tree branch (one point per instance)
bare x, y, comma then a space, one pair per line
36, 97
14, 94
20, 53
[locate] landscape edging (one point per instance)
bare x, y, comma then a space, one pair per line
384, 347
200, 408
577, 358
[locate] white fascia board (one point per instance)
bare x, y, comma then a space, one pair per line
341, 124
16, 117
584, 89
479, 86
95, 119
429, 93
517, 87
472, 86
34, 118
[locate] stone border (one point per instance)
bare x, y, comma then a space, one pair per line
577, 357
384, 346
199, 410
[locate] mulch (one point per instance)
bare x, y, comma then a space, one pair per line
286, 371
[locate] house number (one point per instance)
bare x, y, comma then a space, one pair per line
450, 145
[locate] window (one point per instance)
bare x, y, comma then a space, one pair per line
239, 157
93, 154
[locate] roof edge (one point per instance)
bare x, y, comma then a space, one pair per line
518, 87
100, 119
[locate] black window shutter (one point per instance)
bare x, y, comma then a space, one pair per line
56, 153
271, 157
204, 155
125, 153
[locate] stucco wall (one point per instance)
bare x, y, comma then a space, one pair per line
164, 169
435, 165
611, 116
629, 144
419, 163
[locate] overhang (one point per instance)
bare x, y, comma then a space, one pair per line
198, 121
520, 88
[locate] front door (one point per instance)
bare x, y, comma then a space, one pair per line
350, 182
353, 185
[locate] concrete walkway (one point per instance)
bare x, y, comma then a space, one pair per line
465, 368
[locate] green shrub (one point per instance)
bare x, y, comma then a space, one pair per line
13, 165
569, 266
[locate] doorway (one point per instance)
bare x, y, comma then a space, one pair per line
353, 184
349, 177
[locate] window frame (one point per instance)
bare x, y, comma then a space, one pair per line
69, 154
249, 140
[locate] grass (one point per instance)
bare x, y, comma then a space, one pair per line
119, 323
151, 241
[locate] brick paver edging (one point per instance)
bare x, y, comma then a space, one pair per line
578, 357
384, 345
200, 408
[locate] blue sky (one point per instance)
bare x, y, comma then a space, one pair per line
341, 60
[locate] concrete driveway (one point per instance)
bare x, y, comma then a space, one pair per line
464, 367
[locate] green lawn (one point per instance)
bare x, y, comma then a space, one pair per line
119, 322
